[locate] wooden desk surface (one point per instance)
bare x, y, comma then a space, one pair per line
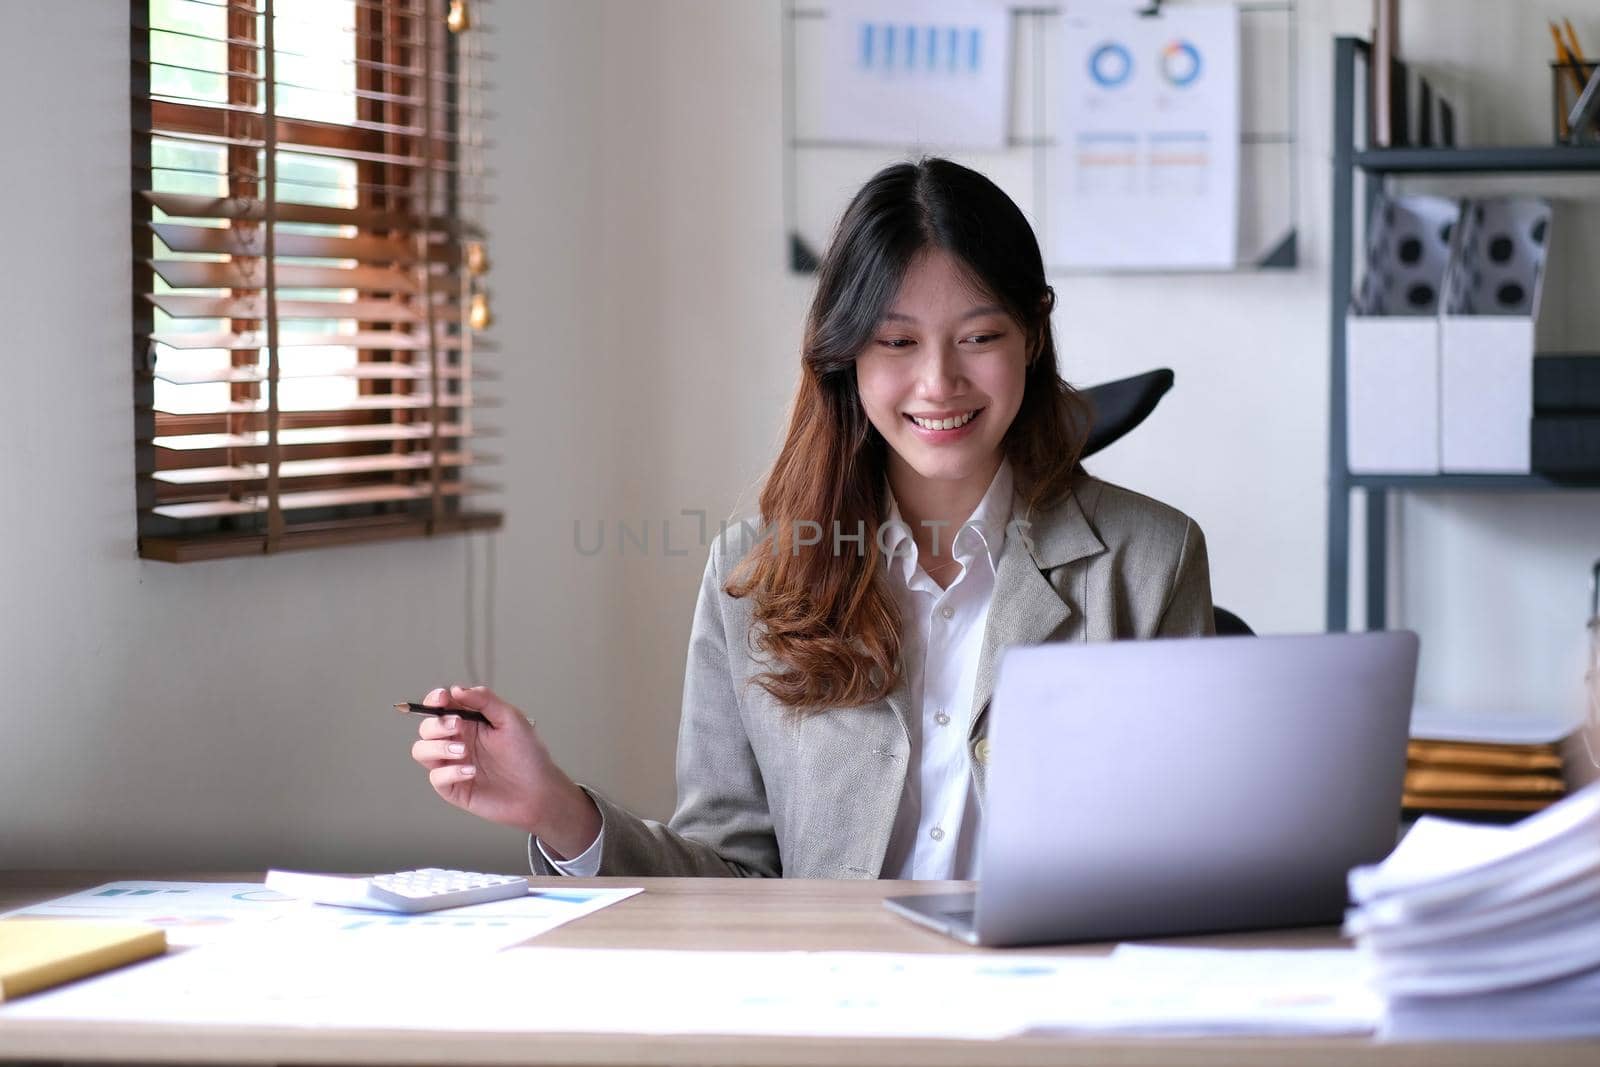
723, 914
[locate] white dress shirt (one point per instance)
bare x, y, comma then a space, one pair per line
935, 833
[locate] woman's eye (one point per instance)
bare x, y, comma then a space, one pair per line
984, 338
895, 342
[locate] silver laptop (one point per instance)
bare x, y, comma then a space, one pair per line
1151, 788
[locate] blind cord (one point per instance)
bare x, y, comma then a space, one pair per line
471, 646
470, 650
491, 543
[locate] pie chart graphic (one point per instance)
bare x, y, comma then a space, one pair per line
1110, 65
1180, 63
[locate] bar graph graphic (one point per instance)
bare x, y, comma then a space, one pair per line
914, 74
412, 922
893, 48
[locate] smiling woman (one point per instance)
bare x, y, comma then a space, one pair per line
927, 510
931, 304
942, 391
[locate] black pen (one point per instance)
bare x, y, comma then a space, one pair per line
423, 709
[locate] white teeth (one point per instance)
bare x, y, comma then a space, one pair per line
944, 424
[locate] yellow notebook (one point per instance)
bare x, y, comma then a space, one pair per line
39, 953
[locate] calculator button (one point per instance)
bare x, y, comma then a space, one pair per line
430, 888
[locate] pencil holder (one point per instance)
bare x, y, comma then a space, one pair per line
1566, 85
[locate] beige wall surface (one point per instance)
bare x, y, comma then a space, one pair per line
233, 714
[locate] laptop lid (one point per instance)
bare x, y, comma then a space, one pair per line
1148, 788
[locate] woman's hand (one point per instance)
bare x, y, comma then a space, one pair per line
502, 771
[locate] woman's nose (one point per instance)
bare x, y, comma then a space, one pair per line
940, 371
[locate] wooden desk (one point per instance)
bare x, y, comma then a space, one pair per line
728, 914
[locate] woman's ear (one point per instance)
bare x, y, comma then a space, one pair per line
1048, 301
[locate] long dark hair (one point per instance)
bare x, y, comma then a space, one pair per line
827, 618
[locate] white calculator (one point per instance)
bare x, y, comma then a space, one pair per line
428, 889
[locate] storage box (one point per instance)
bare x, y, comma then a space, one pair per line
1566, 383
1392, 338
1567, 446
1486, 336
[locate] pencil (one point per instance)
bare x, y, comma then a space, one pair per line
1564, 58
423, 709
1564, 62
1572, 42
1561, 46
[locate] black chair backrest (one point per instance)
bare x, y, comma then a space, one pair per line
1121, 405
1229, 624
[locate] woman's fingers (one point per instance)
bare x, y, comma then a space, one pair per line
482, 698
433, 727
437, 752
443, 778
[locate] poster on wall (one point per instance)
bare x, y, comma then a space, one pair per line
902, 72
1145, 175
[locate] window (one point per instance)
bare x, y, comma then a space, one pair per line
309, 289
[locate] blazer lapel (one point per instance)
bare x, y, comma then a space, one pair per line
1026, 608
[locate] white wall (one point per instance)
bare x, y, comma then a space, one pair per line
232, 714
235, 713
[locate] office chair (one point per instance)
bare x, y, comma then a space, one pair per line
1229, 624
1121, 405
1118, 407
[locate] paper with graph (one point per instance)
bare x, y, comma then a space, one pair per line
905, 73
362, 981
1145, 174
206, 913
192, 913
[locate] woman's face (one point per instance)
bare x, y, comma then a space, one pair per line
942, 377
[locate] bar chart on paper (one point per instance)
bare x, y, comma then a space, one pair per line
313, 965
408, 921
887, 47
899, 72
192, 913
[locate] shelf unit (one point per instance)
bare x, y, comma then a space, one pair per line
1375, 165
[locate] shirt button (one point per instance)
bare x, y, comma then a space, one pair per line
947, 611
942, 719
936, 833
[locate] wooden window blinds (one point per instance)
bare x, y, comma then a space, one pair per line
309, 291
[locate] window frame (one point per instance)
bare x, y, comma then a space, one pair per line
390, 37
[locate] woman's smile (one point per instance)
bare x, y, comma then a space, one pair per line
938, 427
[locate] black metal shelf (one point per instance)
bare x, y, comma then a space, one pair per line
1514, 159
1465, 482
1373, 166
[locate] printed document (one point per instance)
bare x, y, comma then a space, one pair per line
907, 73
1145, 174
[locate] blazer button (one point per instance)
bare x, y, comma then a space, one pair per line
980, 751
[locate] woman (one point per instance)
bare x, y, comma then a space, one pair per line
927, 510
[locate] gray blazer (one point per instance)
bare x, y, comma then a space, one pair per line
763, 792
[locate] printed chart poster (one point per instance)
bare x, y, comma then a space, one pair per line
896, 72
1146, 175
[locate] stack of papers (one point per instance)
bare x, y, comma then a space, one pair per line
1484, 762
1446, 776
1479, 931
